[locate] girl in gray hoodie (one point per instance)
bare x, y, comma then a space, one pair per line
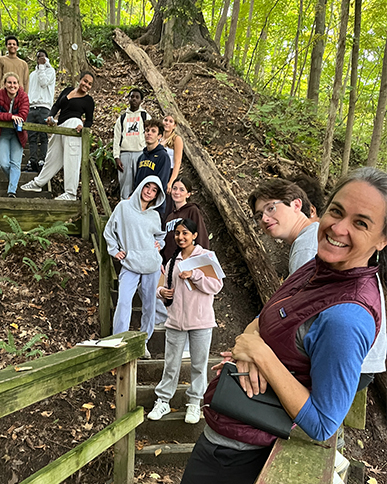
133, 236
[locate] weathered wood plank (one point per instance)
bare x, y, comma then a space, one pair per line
60, 469
85, 183
32, 212
43, 128
104, 284
251, 248
356, 417
56, 373
300, 460
124, 450
100, 189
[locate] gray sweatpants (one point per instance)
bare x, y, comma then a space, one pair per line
126, 178
63, 152
199, 343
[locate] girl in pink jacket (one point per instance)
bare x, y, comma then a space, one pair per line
189, 312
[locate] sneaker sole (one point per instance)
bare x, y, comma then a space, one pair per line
37, 190
156, 419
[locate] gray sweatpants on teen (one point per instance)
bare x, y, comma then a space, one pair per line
63, 152
126, 178
128, 282
199, 342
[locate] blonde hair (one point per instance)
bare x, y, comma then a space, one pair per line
10, 74
170, 141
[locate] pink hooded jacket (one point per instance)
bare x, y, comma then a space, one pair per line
191, 309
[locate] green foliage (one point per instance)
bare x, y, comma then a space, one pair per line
26, 350
102, 153
43, 272
289, 121
100, 37
95, 60
7, 279
37, 235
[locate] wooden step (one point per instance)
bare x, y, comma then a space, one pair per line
146, 396
171, 454
170, 428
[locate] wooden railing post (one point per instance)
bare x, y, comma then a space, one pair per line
104, 282
124, 449
85, 180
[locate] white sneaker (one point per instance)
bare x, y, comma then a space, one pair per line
186, 355
66, 196
341, 463
337, 479
147, 355
159, 410
31, 186
192, 415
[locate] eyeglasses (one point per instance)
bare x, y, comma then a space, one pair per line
269, 210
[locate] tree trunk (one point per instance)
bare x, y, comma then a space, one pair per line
71, 52
343, 90
326, 158
167, 40
42, 23
248, 33
230, 44
299, 26
379, 116
353, 92
119, 6
221, 24
262, 271
317, 52
185, 32
112, 8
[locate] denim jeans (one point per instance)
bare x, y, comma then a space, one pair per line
38, 116
11, 153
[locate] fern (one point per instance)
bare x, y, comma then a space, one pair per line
10, 347
41, 272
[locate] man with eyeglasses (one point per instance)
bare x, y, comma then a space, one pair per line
282, 210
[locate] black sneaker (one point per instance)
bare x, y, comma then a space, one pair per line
11, 195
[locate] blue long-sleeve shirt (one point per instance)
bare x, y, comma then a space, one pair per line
336, 343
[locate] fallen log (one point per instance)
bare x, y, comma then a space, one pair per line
251, 248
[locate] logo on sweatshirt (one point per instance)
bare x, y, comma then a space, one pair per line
147, 164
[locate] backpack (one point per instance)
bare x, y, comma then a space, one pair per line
122, 118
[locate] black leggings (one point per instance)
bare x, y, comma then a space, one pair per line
215, 464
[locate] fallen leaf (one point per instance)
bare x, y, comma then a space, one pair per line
88, 405
88, 426
23, 368
76, 249
158, 452
360, 444
14, 325
46, 414
154, 475
372, 480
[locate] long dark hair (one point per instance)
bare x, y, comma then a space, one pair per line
377, 179
192, 227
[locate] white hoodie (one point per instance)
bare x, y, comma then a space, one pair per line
42, 86
135, 231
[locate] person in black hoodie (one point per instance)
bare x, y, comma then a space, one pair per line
155, 159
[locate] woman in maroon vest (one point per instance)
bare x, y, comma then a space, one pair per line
311, 338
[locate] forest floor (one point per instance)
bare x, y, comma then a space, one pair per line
217, 108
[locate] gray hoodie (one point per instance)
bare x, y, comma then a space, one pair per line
135, 231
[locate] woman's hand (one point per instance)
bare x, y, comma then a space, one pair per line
79, 128
157, 245
17, 119
50, 121
120, 255
167, 293
255, 382
185, 274
169, 187
227, 356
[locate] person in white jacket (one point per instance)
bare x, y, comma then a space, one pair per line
133, 236
41, 95
129, 141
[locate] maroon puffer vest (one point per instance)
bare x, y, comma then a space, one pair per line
309, 291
